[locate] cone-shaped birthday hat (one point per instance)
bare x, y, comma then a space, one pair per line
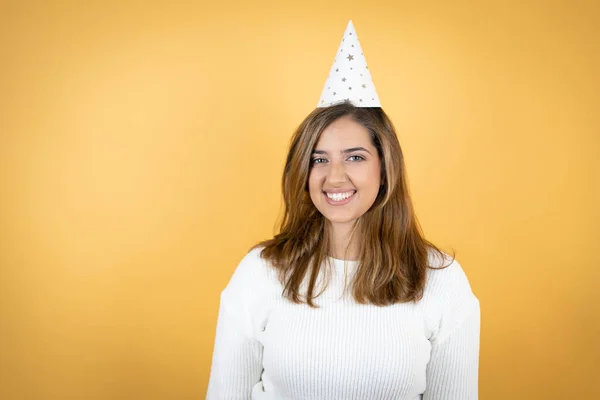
349, 78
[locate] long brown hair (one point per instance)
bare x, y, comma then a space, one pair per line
393, 256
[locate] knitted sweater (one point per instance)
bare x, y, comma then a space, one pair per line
269, 348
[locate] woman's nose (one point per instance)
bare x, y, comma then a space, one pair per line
337, 173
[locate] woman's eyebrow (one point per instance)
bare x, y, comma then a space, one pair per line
350, 150
353, 149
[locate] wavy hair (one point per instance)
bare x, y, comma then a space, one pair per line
393, 253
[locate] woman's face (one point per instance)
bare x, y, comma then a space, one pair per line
345, 172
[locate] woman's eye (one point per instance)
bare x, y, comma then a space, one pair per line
318, 160
356, 158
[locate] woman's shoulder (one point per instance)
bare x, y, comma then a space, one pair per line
447, 280
251, 272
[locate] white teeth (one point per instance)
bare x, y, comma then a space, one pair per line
339, 196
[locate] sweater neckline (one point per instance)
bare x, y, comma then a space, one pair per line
339, 263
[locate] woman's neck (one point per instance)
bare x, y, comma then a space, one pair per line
344, 240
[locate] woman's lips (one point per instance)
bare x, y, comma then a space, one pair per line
344, 200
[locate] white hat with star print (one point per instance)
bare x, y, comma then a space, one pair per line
349, 78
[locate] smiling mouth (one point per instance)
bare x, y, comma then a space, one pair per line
340, 196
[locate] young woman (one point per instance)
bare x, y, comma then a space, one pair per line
349, 300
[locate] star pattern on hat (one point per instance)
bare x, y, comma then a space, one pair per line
349, 73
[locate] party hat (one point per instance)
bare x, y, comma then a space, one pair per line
349, 78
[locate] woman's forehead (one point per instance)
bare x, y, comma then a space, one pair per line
344, 133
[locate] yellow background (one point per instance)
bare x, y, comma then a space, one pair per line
141, 148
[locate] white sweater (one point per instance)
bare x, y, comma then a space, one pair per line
269, 348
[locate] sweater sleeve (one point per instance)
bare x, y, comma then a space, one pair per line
237, 355
453, 368
452, 372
